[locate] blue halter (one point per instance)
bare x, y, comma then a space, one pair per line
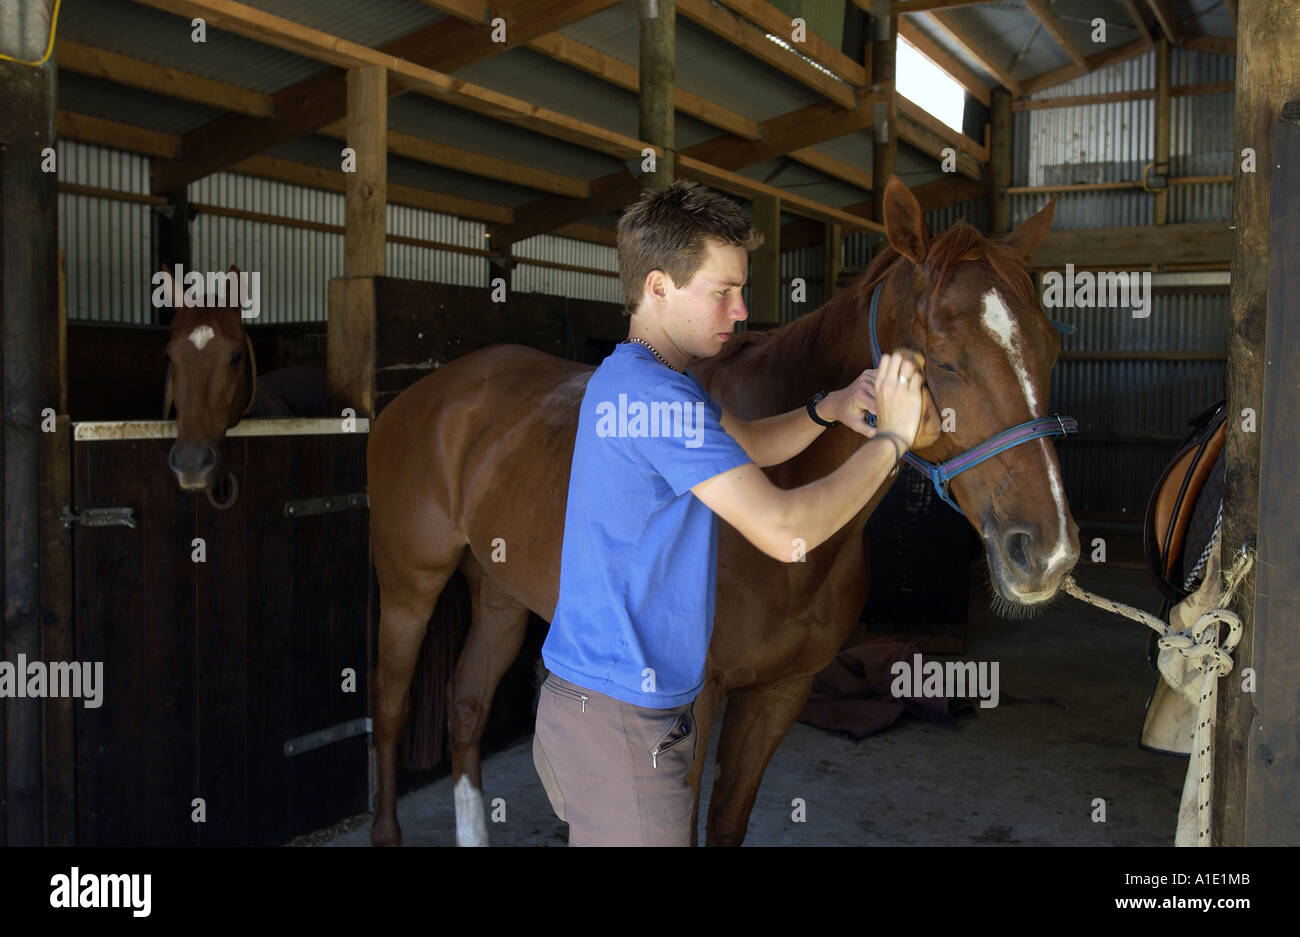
942, 474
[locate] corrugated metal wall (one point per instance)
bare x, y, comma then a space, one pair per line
106, 243
108, 246
1130, 412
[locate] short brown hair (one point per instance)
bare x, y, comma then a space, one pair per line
666, 230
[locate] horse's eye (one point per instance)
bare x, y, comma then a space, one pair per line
236, 358
947, 367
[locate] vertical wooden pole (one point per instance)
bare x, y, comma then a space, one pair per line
28, 356
1000, 162
1248, 774
1160, 212
832, 264
884, 130
658, 58
765, 263
367, 188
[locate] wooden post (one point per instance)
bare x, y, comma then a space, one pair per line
1000, 161
1160, 211
884, 131
832, 263
367, 188
1255, 763
28, 314
658, 57
765, 265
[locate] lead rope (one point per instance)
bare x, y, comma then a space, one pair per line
1199, 643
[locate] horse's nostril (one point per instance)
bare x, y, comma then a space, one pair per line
1017, 549
209, 458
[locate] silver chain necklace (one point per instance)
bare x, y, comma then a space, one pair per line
653, 351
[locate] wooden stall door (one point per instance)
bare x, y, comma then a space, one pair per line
211, 667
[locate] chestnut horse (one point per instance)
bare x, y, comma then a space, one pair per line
212, 379
475, 458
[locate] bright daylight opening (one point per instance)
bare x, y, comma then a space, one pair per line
929, 86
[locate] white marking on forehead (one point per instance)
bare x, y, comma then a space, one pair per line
997, 319
201, 336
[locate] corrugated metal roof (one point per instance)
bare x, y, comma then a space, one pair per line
103, 99
707, 65
164, 39
1012, 36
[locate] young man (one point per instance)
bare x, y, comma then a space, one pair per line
655, 463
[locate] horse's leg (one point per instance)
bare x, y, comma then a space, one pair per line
756, 720
406, 600
705, 706
494, 639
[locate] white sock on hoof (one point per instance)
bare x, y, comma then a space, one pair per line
471, 825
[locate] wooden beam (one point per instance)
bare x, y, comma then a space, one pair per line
1054, 28
266, 167
1221, 45
912, 6
1140, 22
655, 113
765, 262
305, 107
923, 118
366, 188
778, 23
751, 188
471, 11
741, 34
134, 73
940, 57
930, 143
1164, 12
1113, 186
1136, 247
945, 24
118, 136
1110, 97
1000, 162
885, 125
606, 67
1098, 60
1231, 7
1255, 753
476, 164
831, 260
588, 233
833, 167
1160, 206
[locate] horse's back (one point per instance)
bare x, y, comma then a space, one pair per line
294, 391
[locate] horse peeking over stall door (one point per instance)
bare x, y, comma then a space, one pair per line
213, 383
482, 448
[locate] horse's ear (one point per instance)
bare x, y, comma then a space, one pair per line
1030, 232
234, 270
904, 223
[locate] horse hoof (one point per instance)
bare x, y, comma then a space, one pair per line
385, 834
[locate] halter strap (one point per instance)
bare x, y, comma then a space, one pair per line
942, 474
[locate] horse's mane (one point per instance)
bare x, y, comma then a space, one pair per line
960, 242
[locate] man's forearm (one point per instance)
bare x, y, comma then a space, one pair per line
775, 439
818, 509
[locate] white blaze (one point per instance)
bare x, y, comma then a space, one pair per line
201, 336
997, 319
471, 824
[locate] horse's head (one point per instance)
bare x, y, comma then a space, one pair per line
211, 377
969, 305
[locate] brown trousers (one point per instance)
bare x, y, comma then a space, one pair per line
617, 773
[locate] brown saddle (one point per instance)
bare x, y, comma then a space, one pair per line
1173, 503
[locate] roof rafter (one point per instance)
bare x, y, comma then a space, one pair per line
948, 26
1043, 12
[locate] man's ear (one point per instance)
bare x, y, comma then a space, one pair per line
656, 285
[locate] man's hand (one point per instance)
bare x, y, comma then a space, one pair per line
850, 405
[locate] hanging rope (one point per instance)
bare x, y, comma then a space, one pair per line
1201, 643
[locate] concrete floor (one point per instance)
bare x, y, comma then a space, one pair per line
1019, 773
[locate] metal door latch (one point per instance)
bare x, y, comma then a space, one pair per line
98, 517
344, 730
327, 505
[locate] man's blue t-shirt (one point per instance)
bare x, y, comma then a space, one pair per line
638, 569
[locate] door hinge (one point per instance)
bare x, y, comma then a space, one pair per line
344, 730
98, 517
330, 504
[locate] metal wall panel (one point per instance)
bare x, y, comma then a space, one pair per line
106, 243
528, 278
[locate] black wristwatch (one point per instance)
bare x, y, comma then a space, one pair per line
812, 410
